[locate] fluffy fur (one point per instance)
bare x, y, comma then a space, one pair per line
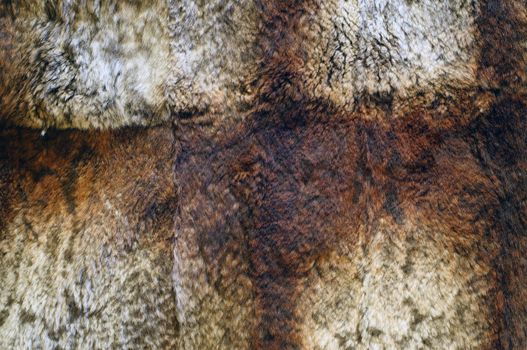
327, 175
99, 65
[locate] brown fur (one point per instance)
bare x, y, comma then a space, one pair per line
303, 219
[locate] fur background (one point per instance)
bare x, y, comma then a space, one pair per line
263, 174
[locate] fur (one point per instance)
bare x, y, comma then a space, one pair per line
100, 65
321, 175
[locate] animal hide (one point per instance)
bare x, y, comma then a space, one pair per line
341, 174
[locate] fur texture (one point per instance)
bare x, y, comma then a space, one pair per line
325, 175
98, 65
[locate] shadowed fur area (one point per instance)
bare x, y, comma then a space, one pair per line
263, 174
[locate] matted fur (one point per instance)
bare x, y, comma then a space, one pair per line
322, 175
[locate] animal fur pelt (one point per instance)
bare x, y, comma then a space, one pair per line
342, 174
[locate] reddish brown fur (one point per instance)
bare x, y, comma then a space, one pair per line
298, 181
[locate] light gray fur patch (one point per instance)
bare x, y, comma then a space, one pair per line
84, 64
214, 54
400, 293
360, 47
72, 287
92, 64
